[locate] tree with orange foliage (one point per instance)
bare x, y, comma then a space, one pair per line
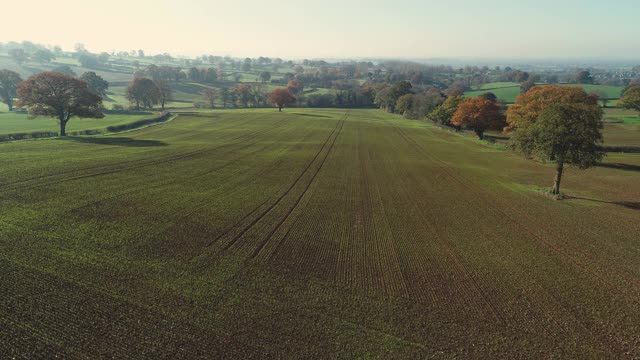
478, 114
534, 102
295, 87
281, 97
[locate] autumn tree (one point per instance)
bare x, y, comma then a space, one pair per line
61, 96
143, 91
209, 96
281, 97
225, 96
165, 94
529, 106
631, 98
295, 87
96, 83
243, 93
478, 114
567, 133
9, 81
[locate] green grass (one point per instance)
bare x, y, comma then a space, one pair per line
311, 234
509, 91
11, 123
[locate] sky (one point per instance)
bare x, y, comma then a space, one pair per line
333, 29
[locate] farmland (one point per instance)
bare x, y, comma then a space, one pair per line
311, 233
508, 92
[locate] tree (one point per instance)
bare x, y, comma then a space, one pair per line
9, 81
281, 97
490, 96
265, 76
225, 96
43, 55
631, 98
18, 55
526, 86
246, 65
165, 94
295, 87
404, 104
64, 69
567, 133
479, 115
209, 96
143, 91
96, 83
443, 113
529, 106
140, 53
89, 60
243, 93
584, 77
61, 96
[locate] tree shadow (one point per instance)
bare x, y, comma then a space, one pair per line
620, 166
116, 141
633, 205
311, 115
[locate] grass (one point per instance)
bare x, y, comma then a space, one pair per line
307, 234
509, 91
12, 123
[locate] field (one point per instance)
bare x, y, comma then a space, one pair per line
312, 234
509, 91
12, 123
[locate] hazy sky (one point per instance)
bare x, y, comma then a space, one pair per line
333, 28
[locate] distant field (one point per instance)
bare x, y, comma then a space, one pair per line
509, 91
312, 234
505, 91
11, 123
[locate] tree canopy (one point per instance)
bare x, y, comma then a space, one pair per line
281, 97
529, 106
59, 95
143, 91
9, 81
478, 114
566, 133
631, 98
96, 83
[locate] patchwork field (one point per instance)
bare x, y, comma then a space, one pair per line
508, 92
307, 234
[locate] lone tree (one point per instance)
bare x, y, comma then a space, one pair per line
96, 83
281, 97
9, 81
143, 91
631, 98
566, 133
478, 114
61, 96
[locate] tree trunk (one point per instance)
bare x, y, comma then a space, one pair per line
137, 105
556, 183
279, 108
10, 104
480, 134
63, 128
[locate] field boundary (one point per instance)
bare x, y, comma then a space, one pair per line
162, 118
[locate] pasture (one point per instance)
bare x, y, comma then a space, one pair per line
308, 234
12, 123
508, 92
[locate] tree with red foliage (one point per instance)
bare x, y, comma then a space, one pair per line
479, 115
281, 97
